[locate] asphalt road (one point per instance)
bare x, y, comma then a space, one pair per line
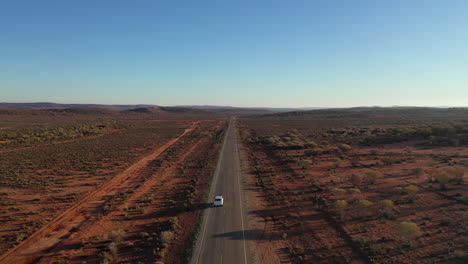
222, 235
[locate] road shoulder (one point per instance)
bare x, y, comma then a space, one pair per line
261, 248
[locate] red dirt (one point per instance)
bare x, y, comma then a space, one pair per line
292, 204
60, 228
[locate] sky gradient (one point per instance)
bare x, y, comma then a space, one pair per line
240, 53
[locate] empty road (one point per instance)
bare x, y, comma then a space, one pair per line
222, 235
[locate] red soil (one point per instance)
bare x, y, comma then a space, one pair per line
62, 226
292, 204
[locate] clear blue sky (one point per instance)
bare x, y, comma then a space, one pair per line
240, 53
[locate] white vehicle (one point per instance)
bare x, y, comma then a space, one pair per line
218, 201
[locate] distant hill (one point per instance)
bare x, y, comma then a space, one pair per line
173, 113
244, 110
47, 105
142, 113
142, 108
378, 115
82, 111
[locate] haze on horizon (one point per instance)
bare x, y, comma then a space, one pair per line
263, 53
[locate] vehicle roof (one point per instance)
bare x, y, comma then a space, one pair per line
218, 197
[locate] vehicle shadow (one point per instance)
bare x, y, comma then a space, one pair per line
254, 234
201, 206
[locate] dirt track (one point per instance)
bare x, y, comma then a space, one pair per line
64, 225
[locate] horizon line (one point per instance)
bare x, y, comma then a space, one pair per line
230, 106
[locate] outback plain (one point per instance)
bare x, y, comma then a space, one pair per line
103, 186
359, 185
362, 185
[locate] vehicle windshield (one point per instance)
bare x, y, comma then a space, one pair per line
218, 200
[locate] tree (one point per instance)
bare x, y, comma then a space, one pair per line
408, 231
386, 207
340, 206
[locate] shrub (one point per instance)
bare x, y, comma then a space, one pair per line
397, 191
295, 145
117, 235
280, 145
167, 236
293, 132
386, 207
446, 221
442, 178
457, 174
106, 257
344, 147
354, 191
271, 140
304, 163
335, 159
388, 160
174, 223
144, 234
371, 176
408, 231
411, 191
362, 206
338, 192
340, 206
311, 144
364, 203
113, 248
313, 152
